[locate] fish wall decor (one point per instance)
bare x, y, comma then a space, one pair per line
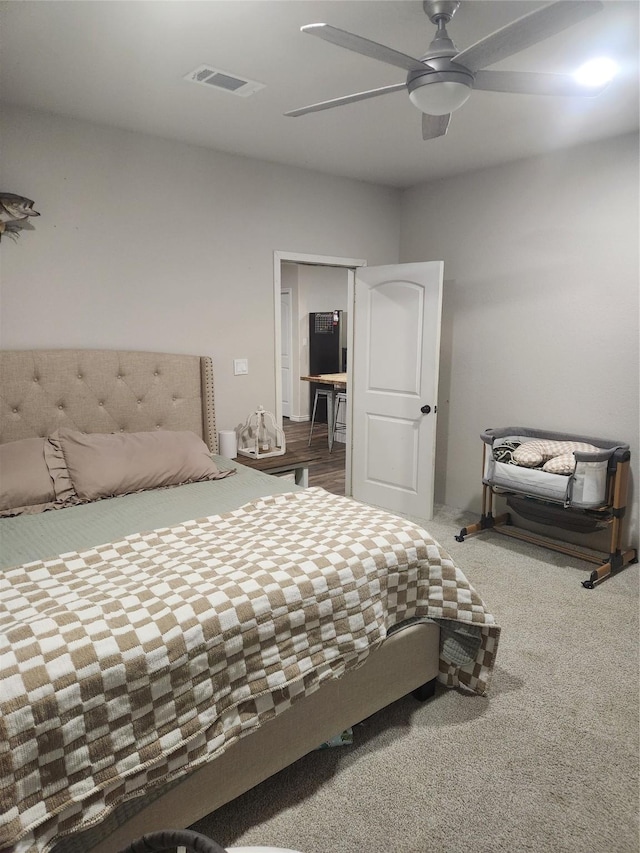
15, 211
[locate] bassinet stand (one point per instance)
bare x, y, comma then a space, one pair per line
610, 514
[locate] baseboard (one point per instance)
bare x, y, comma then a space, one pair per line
298, 419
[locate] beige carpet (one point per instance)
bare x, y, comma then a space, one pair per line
548, 762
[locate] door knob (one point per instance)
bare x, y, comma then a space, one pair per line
425, 409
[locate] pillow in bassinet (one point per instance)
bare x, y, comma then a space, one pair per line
563, 464
555, 457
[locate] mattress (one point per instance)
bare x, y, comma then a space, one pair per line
32, 537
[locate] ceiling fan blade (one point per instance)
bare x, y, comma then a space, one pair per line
526, 31
347, 99
434, 126
367, 48
532, 83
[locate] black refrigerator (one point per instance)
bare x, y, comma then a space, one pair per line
327, 351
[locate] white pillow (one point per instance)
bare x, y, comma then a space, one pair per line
542, 451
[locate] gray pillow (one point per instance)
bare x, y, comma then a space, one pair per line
88, 466
25, 483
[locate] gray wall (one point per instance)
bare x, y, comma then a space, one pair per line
154, 245
540, 324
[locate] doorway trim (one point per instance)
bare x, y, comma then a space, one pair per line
351, 264
293, 361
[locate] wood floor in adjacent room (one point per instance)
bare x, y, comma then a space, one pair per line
328, 471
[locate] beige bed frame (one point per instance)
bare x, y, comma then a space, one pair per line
110, 391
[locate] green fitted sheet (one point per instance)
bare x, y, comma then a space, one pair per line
37, 537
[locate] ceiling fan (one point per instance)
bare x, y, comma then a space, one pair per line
443, 79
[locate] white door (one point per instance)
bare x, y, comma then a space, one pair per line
395, 385
285, 353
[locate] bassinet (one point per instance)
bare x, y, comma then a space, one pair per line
592, 496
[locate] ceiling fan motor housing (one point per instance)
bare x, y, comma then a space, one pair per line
440, 70
450, 84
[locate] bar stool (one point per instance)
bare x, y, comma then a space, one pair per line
320, 392
338, 424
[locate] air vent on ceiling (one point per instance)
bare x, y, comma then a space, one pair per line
218, 79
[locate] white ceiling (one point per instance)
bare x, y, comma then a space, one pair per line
122, 63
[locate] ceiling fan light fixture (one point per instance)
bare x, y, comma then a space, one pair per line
596, 72
440, 97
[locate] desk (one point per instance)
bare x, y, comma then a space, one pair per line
335, 382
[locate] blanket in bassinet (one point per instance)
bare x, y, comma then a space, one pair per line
128, 664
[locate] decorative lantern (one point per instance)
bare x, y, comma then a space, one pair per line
261, 436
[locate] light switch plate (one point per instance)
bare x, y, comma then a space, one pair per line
240, 366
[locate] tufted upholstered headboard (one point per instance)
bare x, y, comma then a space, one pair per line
105, 391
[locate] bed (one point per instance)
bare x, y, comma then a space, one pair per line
165, 647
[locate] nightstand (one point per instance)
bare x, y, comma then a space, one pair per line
295, 462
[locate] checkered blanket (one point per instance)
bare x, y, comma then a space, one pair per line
129, 664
